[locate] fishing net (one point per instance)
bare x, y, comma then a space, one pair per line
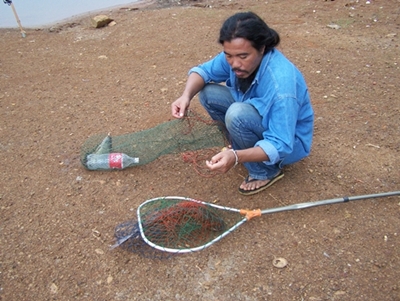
175, 225
191, 133
128, 238
178, 225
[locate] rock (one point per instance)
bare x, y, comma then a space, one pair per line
101, 21
54, 288
279, 262
333, 26
99, 251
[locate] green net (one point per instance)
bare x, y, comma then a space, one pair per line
191, 133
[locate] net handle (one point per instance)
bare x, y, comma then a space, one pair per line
329, 201
249, 214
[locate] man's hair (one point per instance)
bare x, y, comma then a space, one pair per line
249, 26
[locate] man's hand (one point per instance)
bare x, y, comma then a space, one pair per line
222, 162
193, 85
179, 107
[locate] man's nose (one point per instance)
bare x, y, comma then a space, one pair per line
236, 63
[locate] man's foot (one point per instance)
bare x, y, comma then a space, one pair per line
252, 186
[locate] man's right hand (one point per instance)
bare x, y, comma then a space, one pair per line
193, 85
180, 106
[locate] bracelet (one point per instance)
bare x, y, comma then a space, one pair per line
236, 157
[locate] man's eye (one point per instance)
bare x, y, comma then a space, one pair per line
243, 57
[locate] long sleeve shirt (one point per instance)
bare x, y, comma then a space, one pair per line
280, 95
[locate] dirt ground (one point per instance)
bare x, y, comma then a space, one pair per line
64, 83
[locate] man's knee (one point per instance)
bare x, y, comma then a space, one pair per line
238, 110
215, 93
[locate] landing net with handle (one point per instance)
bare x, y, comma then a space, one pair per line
180, 225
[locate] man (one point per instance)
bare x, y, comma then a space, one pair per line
264, 103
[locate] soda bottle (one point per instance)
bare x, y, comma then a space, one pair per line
110, 161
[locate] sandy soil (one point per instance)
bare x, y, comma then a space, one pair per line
62, 84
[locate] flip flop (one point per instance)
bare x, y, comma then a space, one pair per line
270, 183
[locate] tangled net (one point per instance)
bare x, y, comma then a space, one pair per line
184, 224
175, 225
129, 239
191, 133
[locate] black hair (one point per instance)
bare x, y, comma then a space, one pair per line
249, 26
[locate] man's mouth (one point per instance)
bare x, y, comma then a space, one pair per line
239, 73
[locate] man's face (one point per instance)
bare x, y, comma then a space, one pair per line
242, 56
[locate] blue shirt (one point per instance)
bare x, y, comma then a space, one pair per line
280, 95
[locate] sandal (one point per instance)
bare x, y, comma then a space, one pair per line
259, 189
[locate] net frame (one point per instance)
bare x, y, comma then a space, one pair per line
239, 212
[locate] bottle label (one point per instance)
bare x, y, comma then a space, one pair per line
115, 160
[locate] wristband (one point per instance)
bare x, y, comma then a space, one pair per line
236, 157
